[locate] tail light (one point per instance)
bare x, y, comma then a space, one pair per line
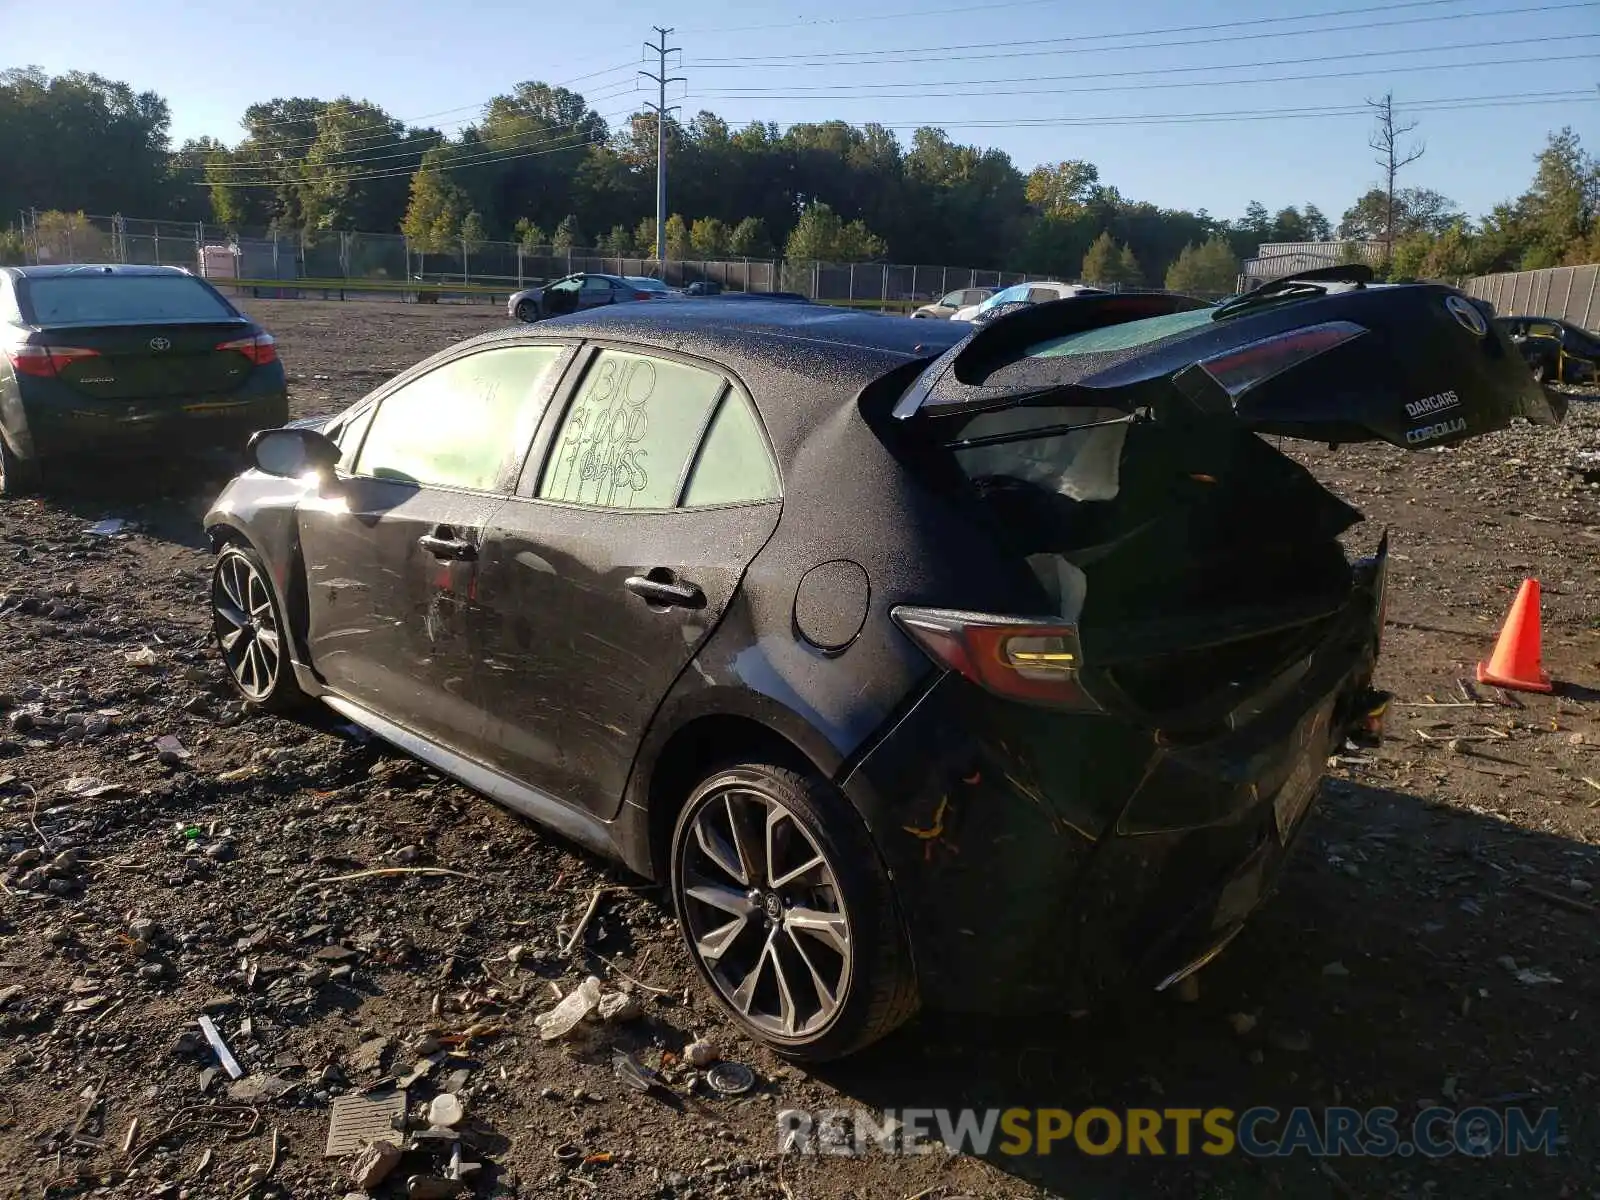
642, 295
45, 361
1237, 371
1036, 661
260, 349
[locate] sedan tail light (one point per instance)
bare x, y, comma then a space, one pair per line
1237, 371
45, 361
260, 349
641, 295
1033, 660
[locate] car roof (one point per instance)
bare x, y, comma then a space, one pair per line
51, 270
800, 361
824, 327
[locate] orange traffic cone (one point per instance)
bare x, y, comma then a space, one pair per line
1515, 661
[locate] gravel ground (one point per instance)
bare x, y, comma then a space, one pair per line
172, 856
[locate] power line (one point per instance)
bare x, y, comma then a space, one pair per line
812, 94
355, 159
895, 16
472, 160
871, 57
1230, 116
1439, 104
1276, 62
413, 122
1135, 33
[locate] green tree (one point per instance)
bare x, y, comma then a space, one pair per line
1100, 263
13, 248
1317, 227
1062, 189
1410, 255
750, 240
820, 235
473, 235
644, 237
432, 223
857, 243
678, 245
709, 238
1129, 272
618, 243
79, 141
1453, 254
1416, 210
1558, 212
529, 236
1111, 262
1207, 269
567, 235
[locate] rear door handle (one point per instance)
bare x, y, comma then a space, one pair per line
443, 543
660, 591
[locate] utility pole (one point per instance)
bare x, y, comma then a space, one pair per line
1386, 141
661, 110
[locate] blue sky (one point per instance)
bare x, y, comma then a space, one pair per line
1040, 79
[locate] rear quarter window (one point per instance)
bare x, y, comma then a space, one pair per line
91, 299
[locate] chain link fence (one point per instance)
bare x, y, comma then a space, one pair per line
279, 262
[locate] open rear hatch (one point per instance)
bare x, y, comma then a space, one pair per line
1188, 569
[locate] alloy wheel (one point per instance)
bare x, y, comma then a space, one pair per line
764, 913
246, 626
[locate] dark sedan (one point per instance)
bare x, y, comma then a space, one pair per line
1557, 351
922, 663
119, 360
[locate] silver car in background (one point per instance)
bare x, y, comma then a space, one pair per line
579, 293
1035, 292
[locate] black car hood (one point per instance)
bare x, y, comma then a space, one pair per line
1413, 365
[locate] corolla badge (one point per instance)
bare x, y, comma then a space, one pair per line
1468, 315
160, 343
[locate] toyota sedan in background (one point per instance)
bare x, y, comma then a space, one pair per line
100, 360
829, 621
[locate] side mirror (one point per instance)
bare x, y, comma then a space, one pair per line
291, 453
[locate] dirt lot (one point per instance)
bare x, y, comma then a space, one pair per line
1436, 939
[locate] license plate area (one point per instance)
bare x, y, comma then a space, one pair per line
1300, 785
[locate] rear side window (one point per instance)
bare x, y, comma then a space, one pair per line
733, 466
460, 424
627, 439
90, 299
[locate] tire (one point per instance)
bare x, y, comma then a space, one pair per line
18, 476
527, 311
743, 940
251, 634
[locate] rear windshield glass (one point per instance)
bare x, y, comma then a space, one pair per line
1123, 336
121, 299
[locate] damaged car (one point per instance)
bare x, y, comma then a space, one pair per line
924, 664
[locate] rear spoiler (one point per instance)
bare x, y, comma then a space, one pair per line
975, 356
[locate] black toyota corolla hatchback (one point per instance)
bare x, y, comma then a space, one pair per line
919, 662
112, 361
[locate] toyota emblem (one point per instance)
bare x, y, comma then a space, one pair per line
1468, 315
159, 343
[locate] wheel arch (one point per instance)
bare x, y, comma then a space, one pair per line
693, 750
287, 580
